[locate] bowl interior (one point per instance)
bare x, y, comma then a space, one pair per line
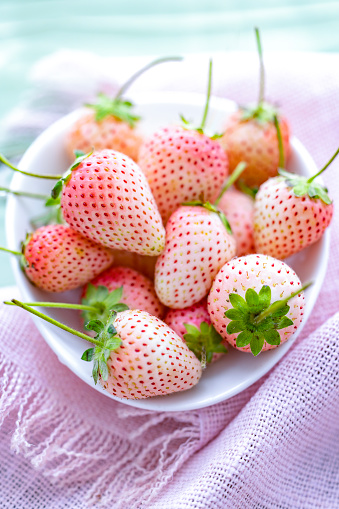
236, 370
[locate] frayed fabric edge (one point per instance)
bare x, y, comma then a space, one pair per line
72, 454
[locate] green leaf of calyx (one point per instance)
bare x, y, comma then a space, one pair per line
284, 322
118, 108
56, 191
255, 319
109, 341
235, 314
104, 301
252, 298
244, 338
257, 342
235, 326
203, 341
272, 337
88, 355
95, 371
238, 302
265, 296
95, 325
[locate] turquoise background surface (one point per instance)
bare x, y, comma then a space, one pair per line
30, 30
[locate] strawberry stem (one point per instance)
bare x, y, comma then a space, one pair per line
230, 181
275, 306
17, 253
209, 86
24, 193
324, 167
61, 305
262, 69
37, 175
55, 322
280, 143
128, 83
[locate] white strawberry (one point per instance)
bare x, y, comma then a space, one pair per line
256, 303
136, 355
291, 212
106, 197
182, 164
198, 244
57, 258
110, 122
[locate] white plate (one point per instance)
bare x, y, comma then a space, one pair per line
235, 371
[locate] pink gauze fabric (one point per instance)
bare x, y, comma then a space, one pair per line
275, 445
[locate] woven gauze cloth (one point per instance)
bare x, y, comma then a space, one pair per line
275, 445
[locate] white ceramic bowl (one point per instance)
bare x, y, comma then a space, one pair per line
235, 371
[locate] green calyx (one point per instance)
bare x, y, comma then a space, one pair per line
256, 319
103, 301
212, 208
203, 342
118, 108
107, 341
201, 130
56, 191
262, 113
23, 262
302, 186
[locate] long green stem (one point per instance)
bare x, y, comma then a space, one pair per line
280, 142
61, 305
262, 69
17, 253
37, 175
278, 305
129, 82
24, 193
324, 167
55, 322
234, 176
209, 87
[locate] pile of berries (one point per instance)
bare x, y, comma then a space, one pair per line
177, 264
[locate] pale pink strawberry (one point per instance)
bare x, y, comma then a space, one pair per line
138, 291
57, 258
254, 141
197, 246
250, 135
193, 325
136, 355
141, 263
239, 303
112, 122
106, 197
181, 165
87, 134
238, 208
152, 359
291, 212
